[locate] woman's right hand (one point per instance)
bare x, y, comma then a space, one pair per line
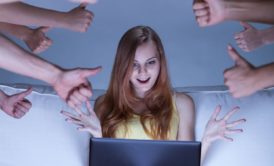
220, 128
87, 122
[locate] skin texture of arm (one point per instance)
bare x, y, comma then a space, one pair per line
186, 110
251, 38
244, 79
18, 60
35, 39
77, 19
71, 85
211, 12
8, 1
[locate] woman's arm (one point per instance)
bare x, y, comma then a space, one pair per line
219, 129
186, 111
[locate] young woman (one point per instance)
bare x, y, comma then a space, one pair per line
140, 102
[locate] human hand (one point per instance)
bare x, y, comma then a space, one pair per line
87, 122
241, 78
37, 41
250, 38
219, 129
73, 85
209, 12
16, 105
79, 19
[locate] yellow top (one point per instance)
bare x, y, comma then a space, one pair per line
135, 130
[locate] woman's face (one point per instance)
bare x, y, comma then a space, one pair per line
146, 68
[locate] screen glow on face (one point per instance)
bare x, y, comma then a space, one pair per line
146, 68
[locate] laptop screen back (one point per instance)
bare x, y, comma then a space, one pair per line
124, 152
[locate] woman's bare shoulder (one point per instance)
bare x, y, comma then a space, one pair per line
184, 102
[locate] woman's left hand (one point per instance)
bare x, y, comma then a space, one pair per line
219, 129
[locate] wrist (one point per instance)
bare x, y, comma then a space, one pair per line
227, 12
205, 141
235, 10
264, 77
267, 36
55, 75
3, 98
24, 35
62, 20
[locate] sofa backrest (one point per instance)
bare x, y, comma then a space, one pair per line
43, 138
253, 147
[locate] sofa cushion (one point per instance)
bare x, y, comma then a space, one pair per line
41, 137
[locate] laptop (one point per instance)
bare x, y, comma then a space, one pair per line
128, 152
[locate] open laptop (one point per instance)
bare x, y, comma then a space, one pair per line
125, 152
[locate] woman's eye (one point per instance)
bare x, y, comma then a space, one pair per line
151, 62
135, 65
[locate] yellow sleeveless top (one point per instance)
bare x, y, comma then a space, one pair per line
135, 130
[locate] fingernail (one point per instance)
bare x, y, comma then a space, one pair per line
229, 47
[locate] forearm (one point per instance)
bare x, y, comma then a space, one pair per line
268, 35
18, 60
24, 14
8, 1
19, 31
262, 11
264, 76
204, 149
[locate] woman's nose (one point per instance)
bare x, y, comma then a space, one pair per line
143, 69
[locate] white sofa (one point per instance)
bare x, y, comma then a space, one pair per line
43, 138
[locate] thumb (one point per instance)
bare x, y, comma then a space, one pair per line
246, 25
44, 29
90, 71
235, 56
22, 95
83, 5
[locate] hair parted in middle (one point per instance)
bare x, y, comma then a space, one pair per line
117, 105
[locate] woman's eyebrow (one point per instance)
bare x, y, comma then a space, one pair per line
151, 58
147, 59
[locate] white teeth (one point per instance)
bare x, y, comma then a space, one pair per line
143, 79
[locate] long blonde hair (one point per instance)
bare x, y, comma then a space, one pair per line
117, 105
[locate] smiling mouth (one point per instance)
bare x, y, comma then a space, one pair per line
143, 81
